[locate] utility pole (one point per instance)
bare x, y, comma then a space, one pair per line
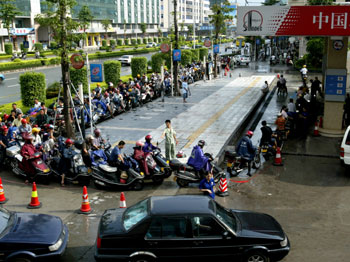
175, 63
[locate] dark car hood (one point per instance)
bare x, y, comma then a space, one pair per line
111, 222
259, 225
34, 228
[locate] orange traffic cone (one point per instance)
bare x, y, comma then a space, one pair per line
321, 122
278, 158
122, 200
316, 133
34, 203
3, 199
223, 187
85, 205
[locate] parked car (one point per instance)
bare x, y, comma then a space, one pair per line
185, 47
165, 228
27, 237
242, 59
345, 150
152, 44
125, 59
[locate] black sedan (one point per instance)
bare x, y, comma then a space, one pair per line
26, 237
170, 228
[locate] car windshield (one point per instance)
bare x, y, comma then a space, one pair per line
226, 217
125, 56
4, 219
135, 214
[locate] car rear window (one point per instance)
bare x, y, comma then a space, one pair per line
347, 141
134, 214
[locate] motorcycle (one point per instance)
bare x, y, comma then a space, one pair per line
185, 174
162, 162
2, 78
78, 172
233, 165
267, 150
14, 56
24, 56
14, 160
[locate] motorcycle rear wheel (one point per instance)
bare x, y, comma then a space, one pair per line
157, 180
257, 162
138, 186
181, 182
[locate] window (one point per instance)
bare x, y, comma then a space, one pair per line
167, 228
161, 7
226, 217
161, 16
206, 227
136, 213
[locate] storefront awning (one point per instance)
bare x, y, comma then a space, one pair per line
22, 31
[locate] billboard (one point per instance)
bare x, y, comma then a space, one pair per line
293, 20
232, 22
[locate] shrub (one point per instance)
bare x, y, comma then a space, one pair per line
53, 45
108, 49
38, 47
55, 61
52, 90
120, 42
138, 66
104, 42
112, 43
8, 49
203, 52
25, 50
79, 76
17, 60
144, 40
195, 55
155, 40
33, 85
150, 40
133, 41
157, 62
167, 59
112, 71
139, 41
126, 42
186, 57
135, 47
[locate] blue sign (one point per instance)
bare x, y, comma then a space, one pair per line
258, 41
206, 28
176, 55
25, 44
96, 72
335, 85
216, 49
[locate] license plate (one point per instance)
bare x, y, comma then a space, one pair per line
264, 150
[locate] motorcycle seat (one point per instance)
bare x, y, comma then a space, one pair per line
108, 168
230, 153
187, 168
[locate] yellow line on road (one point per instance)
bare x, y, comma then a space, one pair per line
218, 114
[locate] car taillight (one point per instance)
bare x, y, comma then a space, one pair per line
342, 152
98, 242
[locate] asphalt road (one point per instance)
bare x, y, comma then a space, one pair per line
10, 88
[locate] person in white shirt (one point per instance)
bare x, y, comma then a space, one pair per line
37, 104
304, 70
291, 106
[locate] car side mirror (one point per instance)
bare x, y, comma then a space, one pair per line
225, 235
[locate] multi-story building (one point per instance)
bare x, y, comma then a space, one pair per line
189, 12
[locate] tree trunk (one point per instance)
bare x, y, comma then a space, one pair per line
175, 63
65, 71
215, 58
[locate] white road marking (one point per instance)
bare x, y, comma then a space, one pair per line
126, 128
13, 85
7, 79
159, 110
145, 117
151, 114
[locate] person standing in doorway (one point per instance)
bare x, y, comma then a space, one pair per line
170, 139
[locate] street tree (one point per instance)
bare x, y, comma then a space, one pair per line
85, 17
190, 30
124, 26
143, 28
106, 23
64, 28
160, 33
220, 13
8, 12
176, 46
182, 28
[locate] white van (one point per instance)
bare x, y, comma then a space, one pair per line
345, 149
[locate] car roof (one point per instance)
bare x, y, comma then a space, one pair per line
181, 204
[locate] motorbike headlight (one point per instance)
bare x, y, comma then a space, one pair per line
284, 242
56, 246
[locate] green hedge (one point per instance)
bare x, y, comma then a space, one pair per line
112, 71
119, 42
138, 66
139, 41
25, 50
126, 42
144, 40
167, 59
38, 47
203, 52
186, 57
8, 49
52, 90
112, 42
104, 42
33, 85
195, 55
150, 40
79, 76
125, 52
157, 62
133, 42
28, 63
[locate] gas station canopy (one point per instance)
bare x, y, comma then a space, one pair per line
293, 20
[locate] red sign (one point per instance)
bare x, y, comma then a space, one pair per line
294, 20
77, 61
164, 48
207, 43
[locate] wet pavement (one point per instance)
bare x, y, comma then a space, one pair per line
308, 195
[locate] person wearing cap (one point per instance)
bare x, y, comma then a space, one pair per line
66, 158
98, 88
98, 140
24, 127
246, 150
207, 185
148, 147
170, 139
27, 151
36, 136
198, 160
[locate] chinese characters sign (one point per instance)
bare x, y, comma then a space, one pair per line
294, 20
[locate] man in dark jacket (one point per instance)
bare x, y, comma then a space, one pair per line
266, 134
198, 160
246, 150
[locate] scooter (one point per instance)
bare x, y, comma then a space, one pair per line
2, 78
14, 56
267, 150
185, 174
24, 56
234, 162
162, 163
14, 158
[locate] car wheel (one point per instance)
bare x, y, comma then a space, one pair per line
21, 259
142, 259
138, 185
181, 182
256, 257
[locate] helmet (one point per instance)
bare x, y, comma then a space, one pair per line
279, 114
201, 143
249, 133
148, 137
51, 127
139, 143
97, 131
110, 84
24, 121
106, 93
69, 141
98, 84
27, 136
4, 128
138, 75
304, 66
35, 130
89, 137
6, 116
